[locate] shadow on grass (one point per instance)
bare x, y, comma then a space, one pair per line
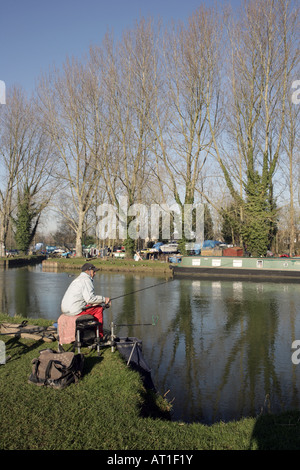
16, 348
90, 362
280, 432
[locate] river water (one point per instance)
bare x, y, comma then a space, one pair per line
219, 350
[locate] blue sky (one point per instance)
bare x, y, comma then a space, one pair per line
36, 34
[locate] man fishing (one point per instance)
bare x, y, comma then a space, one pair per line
80, 297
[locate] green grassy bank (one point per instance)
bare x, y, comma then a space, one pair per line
109, 409
112, 264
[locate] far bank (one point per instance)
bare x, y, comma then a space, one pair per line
16, 261
111, 265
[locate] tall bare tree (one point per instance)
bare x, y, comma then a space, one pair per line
182, 133
24, 152
70, 104
291, 146
128, 81
13, 145
263, 59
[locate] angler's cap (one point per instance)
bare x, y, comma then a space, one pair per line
89, 267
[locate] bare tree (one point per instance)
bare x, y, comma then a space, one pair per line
263, 58
17, 146
182, 134
291, 147
70, 104
127, 71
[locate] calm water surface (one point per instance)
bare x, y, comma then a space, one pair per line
220, 350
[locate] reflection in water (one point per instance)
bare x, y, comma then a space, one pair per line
220, 349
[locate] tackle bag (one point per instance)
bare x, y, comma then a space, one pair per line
55, 369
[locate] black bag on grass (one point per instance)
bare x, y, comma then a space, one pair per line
55, 369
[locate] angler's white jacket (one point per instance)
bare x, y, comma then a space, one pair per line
80, 293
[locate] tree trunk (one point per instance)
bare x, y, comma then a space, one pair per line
79, 233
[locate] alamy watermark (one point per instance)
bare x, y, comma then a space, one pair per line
2, 92
2, 352
296, 354
296, 94
140, 221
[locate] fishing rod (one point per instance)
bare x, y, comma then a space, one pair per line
140, 290
154, 319
154, 322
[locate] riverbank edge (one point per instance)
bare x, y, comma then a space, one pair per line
112, 265
15, 261
264, 432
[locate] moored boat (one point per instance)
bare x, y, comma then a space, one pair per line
169, 248
230, 267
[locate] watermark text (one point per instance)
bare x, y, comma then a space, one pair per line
296, 93
2, 352
296, 354
156, 221
2, 92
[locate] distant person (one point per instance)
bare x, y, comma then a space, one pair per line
80, 297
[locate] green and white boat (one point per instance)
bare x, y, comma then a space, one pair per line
242, 268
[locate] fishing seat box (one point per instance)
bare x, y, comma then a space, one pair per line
86, 332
